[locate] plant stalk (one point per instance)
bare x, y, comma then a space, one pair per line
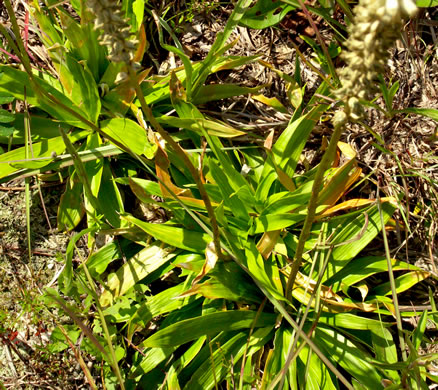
392, 280
311, 209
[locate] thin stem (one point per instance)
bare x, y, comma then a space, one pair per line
22, 53
391, 279
181, 153
27, 150
311, 209
114, 363
315, 294
78, 356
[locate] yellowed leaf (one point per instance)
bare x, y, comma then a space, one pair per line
161, 166
267, 243
210, 262
271, 102
347, 150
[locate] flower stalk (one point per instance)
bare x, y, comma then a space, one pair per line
376, 27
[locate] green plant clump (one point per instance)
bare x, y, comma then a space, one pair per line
254, 278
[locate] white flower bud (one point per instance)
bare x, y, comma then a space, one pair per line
376, 27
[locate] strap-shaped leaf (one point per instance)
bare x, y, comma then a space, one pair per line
129, 134
174, 236
342, 351
135, 269
13, 81
209, 324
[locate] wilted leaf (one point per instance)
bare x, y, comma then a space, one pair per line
267, 243
211, 258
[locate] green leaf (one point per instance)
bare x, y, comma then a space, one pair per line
268, 177
98, 261
232, 62
235, 178
348, 356
65, 280
84, 43
220, 363
93, 172
265, 13
418, 334
384, 347
71, 206
6, 98
121, 311
14, 81
285, 201
5, 133
277, 359
427, 3
183, 361
351, 321
175, 236
219, 46
429, 112
11, 161
210, 324
50, 31
134, 270
178, 50
164, 302
58, 342
129, 134
228, 281
318, 375
230, 197
288, 148
267, 223
150, 359
111, 200
351, 230
360, 269
83, 87
137, 14
388, 93
402, 283
41, 128
265, 272
6, 116
215, 128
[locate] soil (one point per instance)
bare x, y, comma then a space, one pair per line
25, 321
